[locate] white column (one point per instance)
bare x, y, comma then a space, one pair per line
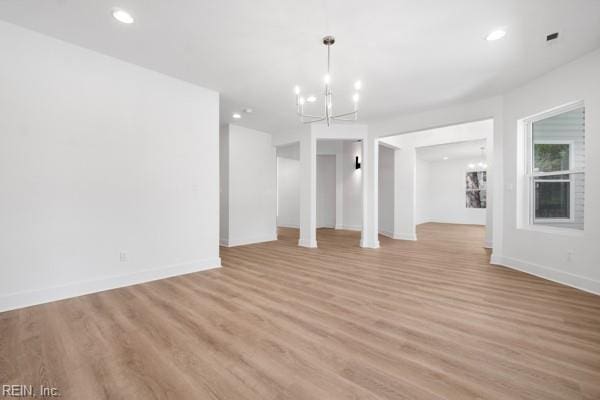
489, 212
498, 186
370, 193
339, 186
405, 172
308, 190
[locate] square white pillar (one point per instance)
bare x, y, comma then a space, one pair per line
370, 193
405, 172
308, 190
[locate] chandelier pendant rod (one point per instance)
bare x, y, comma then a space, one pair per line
327, 89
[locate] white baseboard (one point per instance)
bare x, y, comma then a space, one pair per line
311, 244
449, 221
242, 242
30, 298
386, 233
366, 245
293, 226
552, 274
404, 236
349, 227
398, 236
488, 244
339, 227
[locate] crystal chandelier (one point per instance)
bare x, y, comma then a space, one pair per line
327, 114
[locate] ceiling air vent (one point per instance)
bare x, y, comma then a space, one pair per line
552, 37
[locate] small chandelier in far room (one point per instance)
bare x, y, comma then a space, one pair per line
327, 114
482, 163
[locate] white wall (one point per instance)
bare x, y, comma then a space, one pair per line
252, 187
423, 198
223, 182
99, 157
326, 188
335, 148
386, 191
352, 186
569, 257
288, 192
445, 194
291, 151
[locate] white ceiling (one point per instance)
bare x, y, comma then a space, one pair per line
454, 151
410, 55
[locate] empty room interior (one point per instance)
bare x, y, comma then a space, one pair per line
300, 200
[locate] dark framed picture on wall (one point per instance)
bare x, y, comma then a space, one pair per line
476, 189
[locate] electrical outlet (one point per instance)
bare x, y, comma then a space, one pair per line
123, 256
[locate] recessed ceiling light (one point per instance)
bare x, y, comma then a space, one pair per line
495, 35
236, 116
357, 85
248, 110
471, 166
122, 16
444, 158
311, 99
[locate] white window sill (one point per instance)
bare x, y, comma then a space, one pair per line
553, 230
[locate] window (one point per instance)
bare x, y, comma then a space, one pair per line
556, 167
476, 196
552, 193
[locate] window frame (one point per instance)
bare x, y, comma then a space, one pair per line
530, 175
534, 175
478, 190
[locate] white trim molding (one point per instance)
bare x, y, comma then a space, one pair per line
30, 298
552, 274
307, 243
366, 245
292, 226
350, 227
245, 241
399, 236
404, 236
386, 233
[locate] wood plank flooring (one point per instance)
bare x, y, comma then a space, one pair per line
411, 320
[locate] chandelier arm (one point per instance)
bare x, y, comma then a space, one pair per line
345, 114
315, 120
313, 116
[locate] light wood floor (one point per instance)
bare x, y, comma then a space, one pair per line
412, 320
